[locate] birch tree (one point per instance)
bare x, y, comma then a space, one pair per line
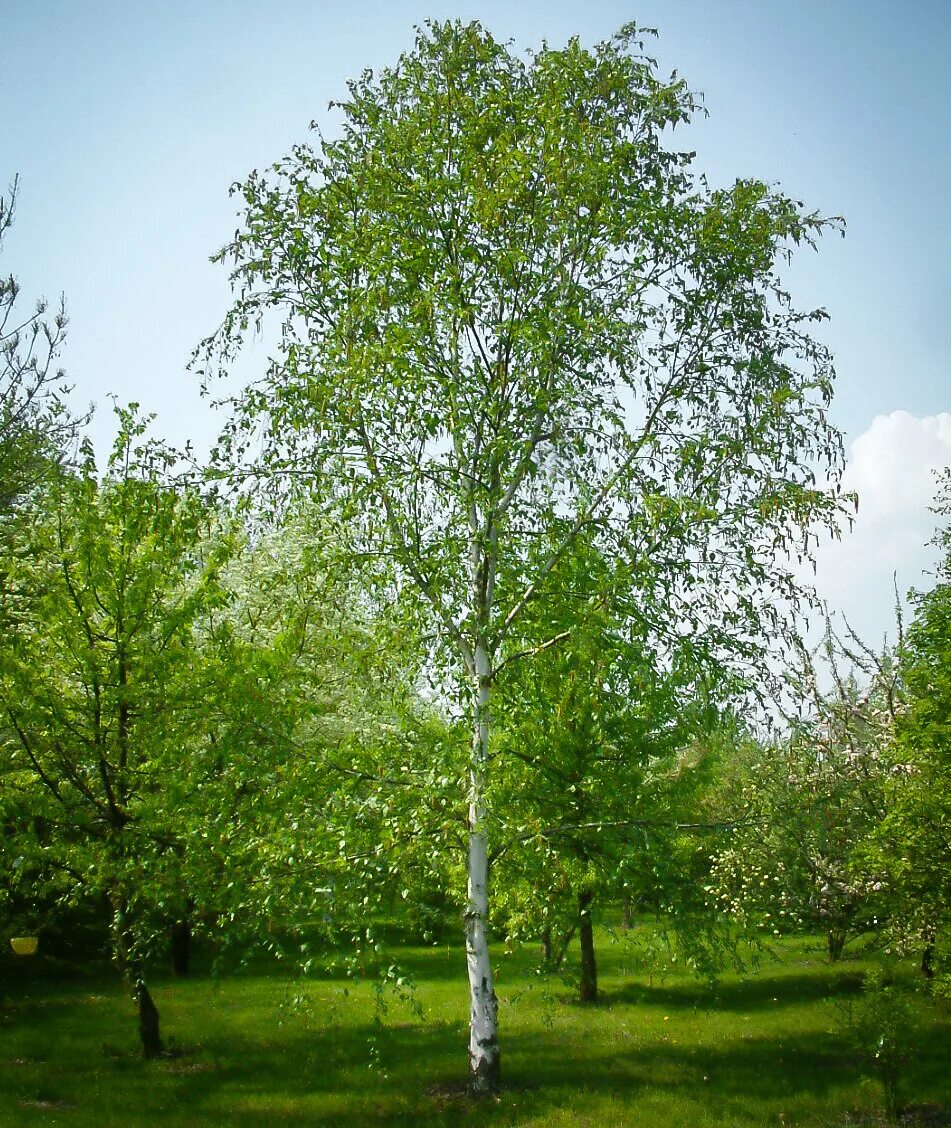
509, 307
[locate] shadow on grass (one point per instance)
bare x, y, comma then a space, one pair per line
762, 992
351, 1074
346, 1075
332, 1069
418, 1076
18, 973
356, 1074
436, 963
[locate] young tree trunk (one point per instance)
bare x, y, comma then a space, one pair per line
181, 947
557, 957
836, 942
131, 967
589, 969
148, 1021
546, 949
485, 1070
627, 921
927, 956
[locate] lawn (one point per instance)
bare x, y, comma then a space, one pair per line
657, 1051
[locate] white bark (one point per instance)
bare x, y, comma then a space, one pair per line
484, 1060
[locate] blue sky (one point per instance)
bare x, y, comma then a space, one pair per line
127, 122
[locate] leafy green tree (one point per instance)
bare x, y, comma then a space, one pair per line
107, 691
510, 310
35, 433
597, 767
340, 807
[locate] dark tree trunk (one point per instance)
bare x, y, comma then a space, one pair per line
181, 946
486, 1079
148, 1022
546, 949
927, 957
627, 921
131, 967
557, 957
836, 941
589, 969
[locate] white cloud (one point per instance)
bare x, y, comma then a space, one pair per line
891, 466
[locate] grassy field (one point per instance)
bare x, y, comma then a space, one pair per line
670, 1051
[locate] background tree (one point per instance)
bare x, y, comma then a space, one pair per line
807, 805
509, 308
106, 691
36, 432
336, 808
913, 844
597, 769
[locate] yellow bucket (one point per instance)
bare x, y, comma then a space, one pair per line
24, 945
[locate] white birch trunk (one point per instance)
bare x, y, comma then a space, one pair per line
484, 1062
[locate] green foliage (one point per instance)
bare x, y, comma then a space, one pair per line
884, 1027
469, 317
108, 686
340, 806
601, 757
35, 432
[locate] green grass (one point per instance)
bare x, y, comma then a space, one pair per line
756, 1051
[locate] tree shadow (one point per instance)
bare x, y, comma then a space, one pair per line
327, 1068
759, 993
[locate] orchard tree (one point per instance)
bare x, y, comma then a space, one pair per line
596, 750
913, 844
107, 692
510, 309
808, 805
339, 807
